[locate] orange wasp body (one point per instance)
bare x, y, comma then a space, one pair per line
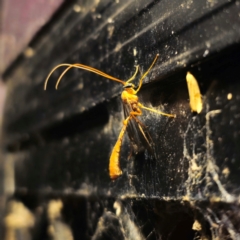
130, 102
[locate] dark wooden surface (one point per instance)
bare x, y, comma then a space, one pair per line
60, 141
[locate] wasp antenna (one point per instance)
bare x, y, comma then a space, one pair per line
61, 76
90, 69
80, 66
134, 75
98, 72
145, 74
49, 75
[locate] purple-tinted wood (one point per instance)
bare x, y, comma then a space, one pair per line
20, 22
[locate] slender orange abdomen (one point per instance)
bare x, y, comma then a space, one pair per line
114, 166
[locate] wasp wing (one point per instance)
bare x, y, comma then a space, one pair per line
138, 133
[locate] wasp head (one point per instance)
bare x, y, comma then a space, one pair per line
129, 85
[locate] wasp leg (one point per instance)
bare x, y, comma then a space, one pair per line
139, 122
153, 110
